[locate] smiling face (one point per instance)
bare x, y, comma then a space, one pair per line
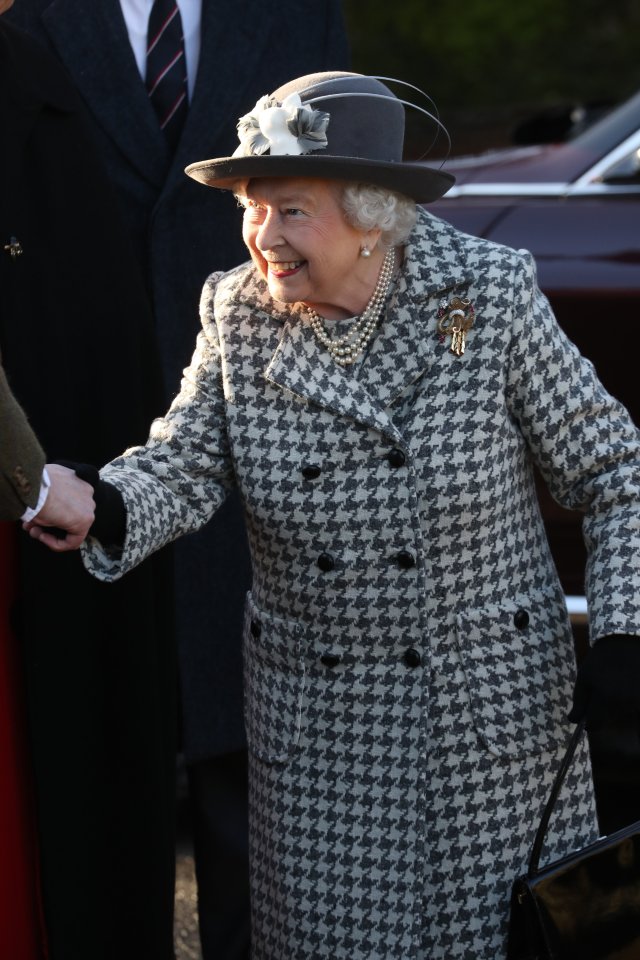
300, 241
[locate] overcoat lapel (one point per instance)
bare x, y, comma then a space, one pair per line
403, 350
222, 78
91, 40
24, 91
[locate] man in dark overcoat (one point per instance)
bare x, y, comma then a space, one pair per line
77, 344
247, 47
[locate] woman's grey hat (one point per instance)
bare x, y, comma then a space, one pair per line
331, 126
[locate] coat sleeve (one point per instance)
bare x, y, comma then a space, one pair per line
175, 482
587, 448
21, 457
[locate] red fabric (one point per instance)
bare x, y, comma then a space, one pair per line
21, 925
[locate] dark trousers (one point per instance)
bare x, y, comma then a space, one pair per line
219, 802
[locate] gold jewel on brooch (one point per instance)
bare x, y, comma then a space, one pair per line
347, 349
455, 318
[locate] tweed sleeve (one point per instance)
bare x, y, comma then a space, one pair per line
21, 457
587, 448
175, 482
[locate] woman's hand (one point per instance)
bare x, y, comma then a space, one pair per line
69, 509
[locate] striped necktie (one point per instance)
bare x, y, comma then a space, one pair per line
166, 73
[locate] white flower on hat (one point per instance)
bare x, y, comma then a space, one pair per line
290, 128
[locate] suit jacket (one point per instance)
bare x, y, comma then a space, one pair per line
77, 344
409, 660
181, 232
21, 457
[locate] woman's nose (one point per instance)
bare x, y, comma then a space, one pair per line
269, 232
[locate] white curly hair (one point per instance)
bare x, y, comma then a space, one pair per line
368, 207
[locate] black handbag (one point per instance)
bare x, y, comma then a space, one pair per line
585, 906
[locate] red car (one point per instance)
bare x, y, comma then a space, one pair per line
576, 207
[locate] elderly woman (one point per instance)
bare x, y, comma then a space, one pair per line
379, 387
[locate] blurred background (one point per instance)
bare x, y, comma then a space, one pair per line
502, 72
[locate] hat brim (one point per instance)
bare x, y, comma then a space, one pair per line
416, 180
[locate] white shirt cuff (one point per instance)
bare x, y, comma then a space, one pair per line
31, 512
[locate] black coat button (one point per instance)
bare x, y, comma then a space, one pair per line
311, 472
396, 457
255, 628
326, 562
412, 657
330, 659
521, 619
406, 560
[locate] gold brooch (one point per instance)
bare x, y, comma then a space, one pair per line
455, 318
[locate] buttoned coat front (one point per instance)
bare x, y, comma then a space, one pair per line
408, 659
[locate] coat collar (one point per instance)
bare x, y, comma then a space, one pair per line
92, 41
222, 88
403, 349
28, 82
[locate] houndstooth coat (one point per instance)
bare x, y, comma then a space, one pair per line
408, 660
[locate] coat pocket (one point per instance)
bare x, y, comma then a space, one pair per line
273, 684
519, 665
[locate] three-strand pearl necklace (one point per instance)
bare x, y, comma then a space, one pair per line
347, 348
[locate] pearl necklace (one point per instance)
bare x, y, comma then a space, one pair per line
347, 349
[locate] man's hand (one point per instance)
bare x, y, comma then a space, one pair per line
69, 507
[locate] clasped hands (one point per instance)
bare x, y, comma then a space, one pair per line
68, 512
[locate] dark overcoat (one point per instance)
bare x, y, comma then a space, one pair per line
77, 345
181, 233
409, 659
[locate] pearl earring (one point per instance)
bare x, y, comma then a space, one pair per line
365, 252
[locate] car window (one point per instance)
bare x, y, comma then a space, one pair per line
611, 129
625, 171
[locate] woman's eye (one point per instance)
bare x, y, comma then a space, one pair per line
293, 212
254, 210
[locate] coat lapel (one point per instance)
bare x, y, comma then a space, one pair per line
303, 367
220, 92
402, 351
407, 342
92, 41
